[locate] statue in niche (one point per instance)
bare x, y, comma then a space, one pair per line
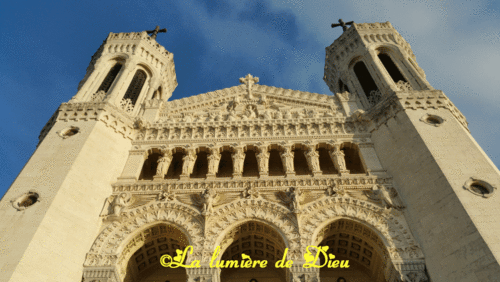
313, 159
219, 117
187, 118
164, 163
288, 115
287, 159
313, 114
263, 158
213, 162
338, 158
238, 160
188, 162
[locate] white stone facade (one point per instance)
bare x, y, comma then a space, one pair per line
384, 172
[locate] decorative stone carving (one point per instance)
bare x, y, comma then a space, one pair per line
338, 158
249, 81
292, 198
374, 97
188, 162
312, 157
404, 86
386, 196
166, 195
263, 160
210, 198
126, 105
120, 202
164, 163
336, 191
238, 160
287, 159
213, 161
251, 193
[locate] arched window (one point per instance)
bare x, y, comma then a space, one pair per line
365, 79
149, 167
135, 87
110, 78
225, 165
250, 166
391, 68
200, 168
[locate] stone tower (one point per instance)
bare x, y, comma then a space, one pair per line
385, 173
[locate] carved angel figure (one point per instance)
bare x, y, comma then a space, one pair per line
238, 160
121, 201
334, 191
188, 162
292, 197
210, 197
287, 159
164, 163
386, 196
313, 159
166, 195
251, 193
213, 162
232, 116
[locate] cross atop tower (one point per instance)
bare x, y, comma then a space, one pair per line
249, 80
156, 31
342, 24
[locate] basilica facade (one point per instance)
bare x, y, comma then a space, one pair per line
383, 172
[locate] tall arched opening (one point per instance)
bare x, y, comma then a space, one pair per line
368, 258
258, 240
144, 264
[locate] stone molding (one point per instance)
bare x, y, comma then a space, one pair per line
110, 115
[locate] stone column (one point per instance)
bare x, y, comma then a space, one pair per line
188, 162
287, 159
238, 161
338, 159
263, 159
117, 90
312, 157
163, 164
213, 162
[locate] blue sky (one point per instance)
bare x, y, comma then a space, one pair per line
45, 48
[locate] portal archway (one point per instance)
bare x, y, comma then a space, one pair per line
258, 240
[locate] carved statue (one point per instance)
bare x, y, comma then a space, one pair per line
250, 113
238, 160
166, 195
164, 163
209, 197
296, 197
251, 193
188, 162
287, 159
288, 115
266, 115
313, 159
120, 202
386, 196
232, 116
213, 162
292, 198
263, 158
338, 158
334, 191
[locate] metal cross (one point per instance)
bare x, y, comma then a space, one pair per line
342, 24
156, 31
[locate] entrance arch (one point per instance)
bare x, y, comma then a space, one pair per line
258, 240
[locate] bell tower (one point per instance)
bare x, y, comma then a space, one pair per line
50, 214
446, 181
